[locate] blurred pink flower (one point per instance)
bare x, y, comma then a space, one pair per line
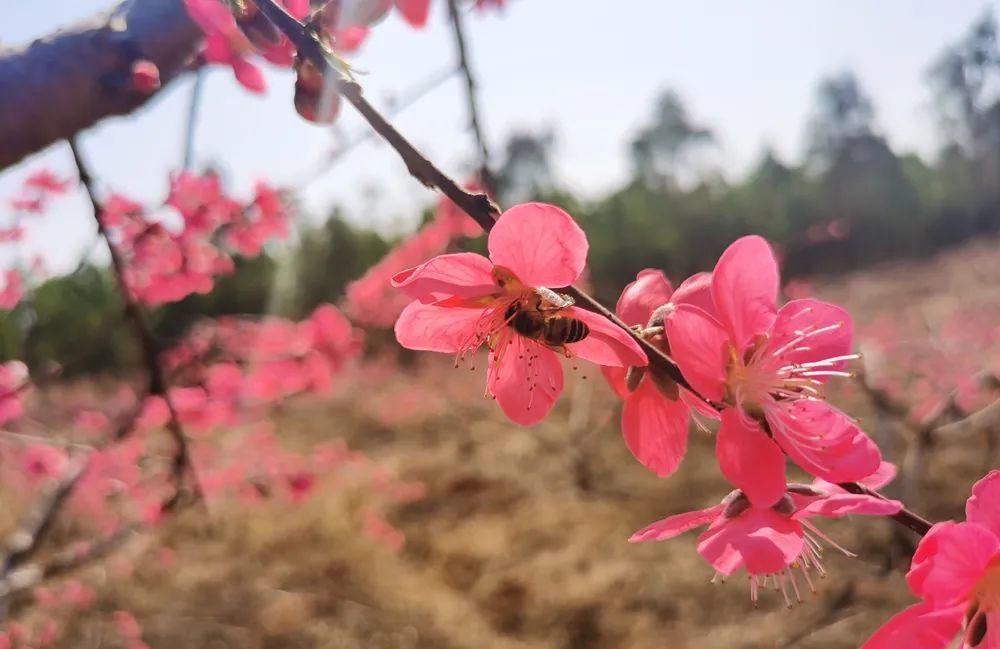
465, 301
43, 462
13, 289
771, 542
769, 365
956, 573
13, 379
656, 413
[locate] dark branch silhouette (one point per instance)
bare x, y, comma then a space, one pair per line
62, 83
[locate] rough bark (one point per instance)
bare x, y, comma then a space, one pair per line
58, 85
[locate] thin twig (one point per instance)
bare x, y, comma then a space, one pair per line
478, 206
482, 210
194, 110
406, 99
471, 96
158, 385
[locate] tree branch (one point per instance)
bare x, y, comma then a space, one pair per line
67, 81
484, 211
471, 96
147, 342
478, 206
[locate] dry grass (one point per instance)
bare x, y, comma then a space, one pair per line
520, 541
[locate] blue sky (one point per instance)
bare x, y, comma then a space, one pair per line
588, 68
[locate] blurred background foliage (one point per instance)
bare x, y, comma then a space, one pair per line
850, 201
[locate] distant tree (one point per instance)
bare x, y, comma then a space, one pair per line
526, 172
662, 148
966, 81
844, 114
328, 257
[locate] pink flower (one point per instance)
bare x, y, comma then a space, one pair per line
768, 365
414, 11
13, 379
45, 181
145, 77
772, 542
43, 462
13, 289
656, 412
956, 572
465, 301
370, 299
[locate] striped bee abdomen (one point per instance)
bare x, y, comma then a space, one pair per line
565, 330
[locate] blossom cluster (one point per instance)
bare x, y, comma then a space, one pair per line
370, 299
236, 34
37, 192
956, 367
230, 366
166, 262
756, 369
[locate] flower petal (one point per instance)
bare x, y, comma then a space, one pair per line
539, 243
607, 343
745, 289
655, 428
426, 327
750, 459
696, 291
414, 11
526, 381
673, 526
760, 539
842, 504
650, 290
950, 560
699, 345
463, 274
798, 318
822, 440
983, 506
920, 626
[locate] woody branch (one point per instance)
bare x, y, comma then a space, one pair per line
480, 208
62, 83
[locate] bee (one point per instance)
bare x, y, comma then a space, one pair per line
540, 318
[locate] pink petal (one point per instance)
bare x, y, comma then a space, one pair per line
843, 504
797, 318
745, 289
650, 290
655, 428
607, 343
463, 274
698, 405
983, 506
527, 381
673, 526
884, 474
822, 440
298, 8
750, 459
696, 291
249, 75
539, 243
949, 561
699, 345
426, 327
349, 39
760, 539
414, 11
920, 626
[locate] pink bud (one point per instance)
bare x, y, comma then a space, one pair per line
145, 76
